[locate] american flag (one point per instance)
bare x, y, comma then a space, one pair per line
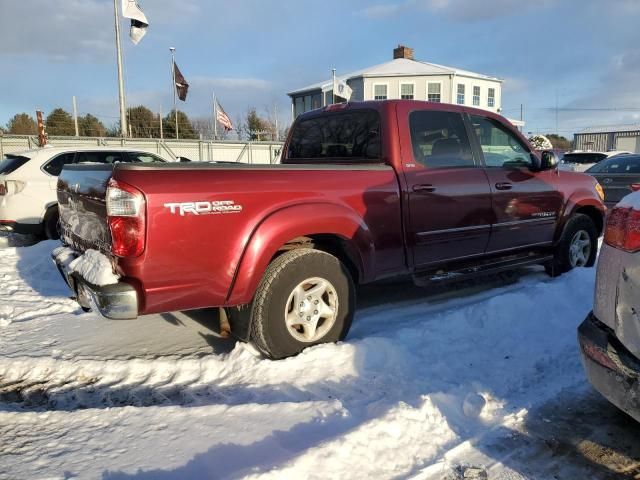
223, 118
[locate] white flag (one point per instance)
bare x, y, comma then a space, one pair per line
139, 23
341, 89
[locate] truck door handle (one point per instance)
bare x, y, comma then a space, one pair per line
503, 186
424, 188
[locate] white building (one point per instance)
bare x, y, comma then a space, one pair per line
407, 78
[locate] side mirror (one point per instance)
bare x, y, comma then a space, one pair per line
548, 160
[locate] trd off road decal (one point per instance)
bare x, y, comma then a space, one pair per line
204, 208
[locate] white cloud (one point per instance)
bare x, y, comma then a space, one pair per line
75, 30
462, 10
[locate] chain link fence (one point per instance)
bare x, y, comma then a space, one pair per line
195, 150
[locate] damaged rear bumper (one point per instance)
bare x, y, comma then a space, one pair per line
117, 301
610, 367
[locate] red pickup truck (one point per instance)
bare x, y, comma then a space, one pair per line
364, 191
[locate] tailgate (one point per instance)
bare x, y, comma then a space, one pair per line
82, 205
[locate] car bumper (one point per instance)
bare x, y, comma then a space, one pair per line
610, 367
23, 228
118, 301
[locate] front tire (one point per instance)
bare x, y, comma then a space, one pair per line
577, 247
306, 297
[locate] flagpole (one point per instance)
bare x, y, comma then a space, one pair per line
215, 118
333, 89
173, 75
123, 112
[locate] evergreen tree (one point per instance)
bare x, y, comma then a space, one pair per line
185, 129
22, 124
59, 122
90, 126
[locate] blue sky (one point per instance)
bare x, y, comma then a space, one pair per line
585, 53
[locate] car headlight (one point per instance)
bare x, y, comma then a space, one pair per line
600, 191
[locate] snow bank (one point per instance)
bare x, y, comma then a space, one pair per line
95, 268
414, 381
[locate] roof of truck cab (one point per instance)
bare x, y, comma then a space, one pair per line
417, 104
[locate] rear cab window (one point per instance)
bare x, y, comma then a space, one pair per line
10, 163
343, 137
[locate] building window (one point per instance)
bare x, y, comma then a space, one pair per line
406, 91
433, 92
476, 96
491, 98
460, 94
380, 92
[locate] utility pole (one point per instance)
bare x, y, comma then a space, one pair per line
123, 111
556, 111
160, 117
75, 115
333, 88
275, 109
173, 77
522, 115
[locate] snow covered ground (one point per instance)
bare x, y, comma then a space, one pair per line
481, 380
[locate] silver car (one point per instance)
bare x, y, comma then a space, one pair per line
610, 335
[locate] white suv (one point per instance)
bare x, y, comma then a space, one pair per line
28, 180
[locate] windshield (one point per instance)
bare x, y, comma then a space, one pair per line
618, 164
583, 158
10, 163
349, 136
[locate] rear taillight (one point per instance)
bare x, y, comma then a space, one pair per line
127, 219
623, 229
635, 187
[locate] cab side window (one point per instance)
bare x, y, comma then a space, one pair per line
439, 140
100, 157
54, 167
500, 147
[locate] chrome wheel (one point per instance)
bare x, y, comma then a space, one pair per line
580, 249
311, 310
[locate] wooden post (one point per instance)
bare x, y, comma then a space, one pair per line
42, 137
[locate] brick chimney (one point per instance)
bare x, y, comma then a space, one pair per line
403, 52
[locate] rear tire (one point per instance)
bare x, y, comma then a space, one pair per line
306, 297
50, 224
577, 247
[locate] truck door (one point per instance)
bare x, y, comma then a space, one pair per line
526, 203
447, 192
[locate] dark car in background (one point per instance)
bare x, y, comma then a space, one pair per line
618, 175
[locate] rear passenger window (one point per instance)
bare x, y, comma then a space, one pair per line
439, 139
339, 136
54, 167
500, 147
100, 157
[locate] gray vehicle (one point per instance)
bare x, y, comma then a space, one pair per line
610, 335
618, 176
